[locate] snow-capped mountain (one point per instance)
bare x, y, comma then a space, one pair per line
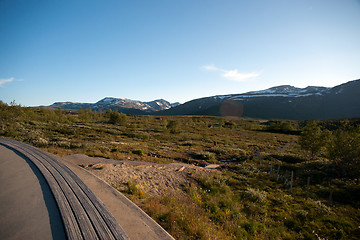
281, 102
287, 91
279, 91
159, 104
120, 104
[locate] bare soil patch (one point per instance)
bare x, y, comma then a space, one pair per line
152, 179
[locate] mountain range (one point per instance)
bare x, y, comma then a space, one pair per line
124, 105
281, 102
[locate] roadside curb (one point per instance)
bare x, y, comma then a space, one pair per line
146, 219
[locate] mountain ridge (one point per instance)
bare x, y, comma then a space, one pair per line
125, 105
279, 102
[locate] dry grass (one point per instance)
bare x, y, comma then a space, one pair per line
242, 201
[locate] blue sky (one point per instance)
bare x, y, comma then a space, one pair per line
178, 50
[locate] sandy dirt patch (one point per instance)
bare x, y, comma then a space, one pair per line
152, 178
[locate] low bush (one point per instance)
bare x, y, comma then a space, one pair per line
255, 195
138, 152
207, 156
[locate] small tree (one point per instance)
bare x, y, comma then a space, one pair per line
173, 126
117, 118
9, 114
312, 138
59, 115
86, 115
282, 127
4, 114
344, 150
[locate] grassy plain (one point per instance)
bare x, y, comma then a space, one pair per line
250, 196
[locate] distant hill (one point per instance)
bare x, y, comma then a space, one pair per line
124, 105
282, 102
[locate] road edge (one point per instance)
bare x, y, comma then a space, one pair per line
158, 230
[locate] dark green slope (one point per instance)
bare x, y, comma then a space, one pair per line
342, 101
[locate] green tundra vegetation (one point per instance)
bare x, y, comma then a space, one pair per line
277, 179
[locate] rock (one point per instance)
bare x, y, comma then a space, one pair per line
181, 169
212, 166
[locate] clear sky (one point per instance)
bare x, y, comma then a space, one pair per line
178, 50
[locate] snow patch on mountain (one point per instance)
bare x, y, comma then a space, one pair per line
116, 103
280, 91
287, 91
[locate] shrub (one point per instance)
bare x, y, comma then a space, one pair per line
207, 156
321, 206
312, 138
117, 118
136, 189
138, 152
344, 150
40, 142
287, 158
302, 215
255, 195
286, 127
173, 126
86, 115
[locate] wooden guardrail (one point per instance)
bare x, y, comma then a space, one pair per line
84, 215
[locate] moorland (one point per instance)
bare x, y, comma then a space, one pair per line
275, 179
